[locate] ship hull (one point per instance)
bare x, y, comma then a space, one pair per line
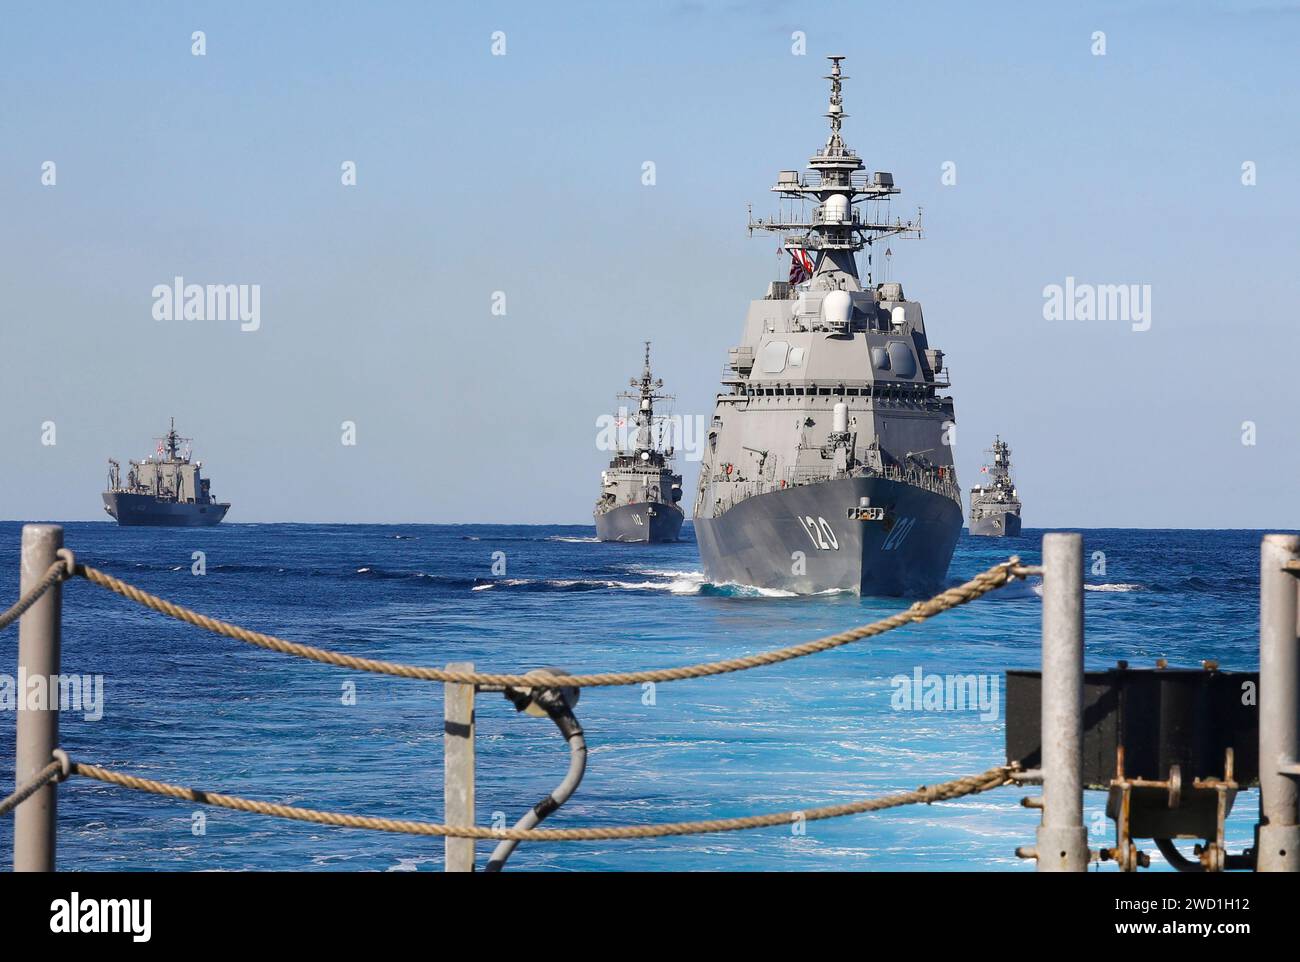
1001, 525
144, 510
647, 522
800, 539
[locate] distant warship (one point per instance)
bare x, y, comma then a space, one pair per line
828, 464
638, 491
164, 490
995, 507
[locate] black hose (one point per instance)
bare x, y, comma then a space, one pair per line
1176, 858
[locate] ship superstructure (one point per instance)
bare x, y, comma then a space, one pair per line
828, 462
995, 504
639, 493
165, 489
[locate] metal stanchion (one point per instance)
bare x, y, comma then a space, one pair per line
458, 767
1062, 844
1277, 843
38, 700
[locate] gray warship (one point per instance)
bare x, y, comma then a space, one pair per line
639, 493
827, 464
995, 506
165, 490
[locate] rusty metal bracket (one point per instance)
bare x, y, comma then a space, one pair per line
1212, 856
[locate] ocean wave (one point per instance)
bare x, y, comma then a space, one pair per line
672, 582
569, 539
418, 577
666, 572
731, 589
506, 583
1120, 586
680, 586
686, 581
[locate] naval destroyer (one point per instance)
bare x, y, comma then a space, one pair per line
639, 493
828, 464
995, 506
165, 489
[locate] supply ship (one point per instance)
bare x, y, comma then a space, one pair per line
166, 489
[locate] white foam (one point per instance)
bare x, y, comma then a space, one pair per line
753, 591
1118, 586
508, 582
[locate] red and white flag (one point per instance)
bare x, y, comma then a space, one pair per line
801, 266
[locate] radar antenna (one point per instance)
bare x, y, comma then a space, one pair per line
170, 444
836, 110
837, 183
647, 393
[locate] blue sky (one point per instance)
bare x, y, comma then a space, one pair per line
522, 173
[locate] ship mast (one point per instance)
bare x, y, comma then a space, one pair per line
647, 393
1001, 456
171, 443
837, 184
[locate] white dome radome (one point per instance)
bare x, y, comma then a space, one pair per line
835, 209
837, 308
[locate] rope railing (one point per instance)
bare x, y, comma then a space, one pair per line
61, 767
926, 794
57, 572
977, 587
54, 771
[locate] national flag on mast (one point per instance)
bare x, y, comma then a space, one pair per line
801, 265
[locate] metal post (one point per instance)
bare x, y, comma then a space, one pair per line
1278, 843
38, 717
1062, 840
458, 767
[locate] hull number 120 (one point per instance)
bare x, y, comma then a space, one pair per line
819, 530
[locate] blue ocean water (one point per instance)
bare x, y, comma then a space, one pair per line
186, 706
